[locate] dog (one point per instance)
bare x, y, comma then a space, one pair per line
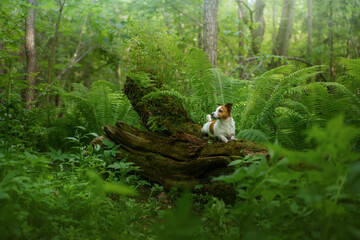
223, 128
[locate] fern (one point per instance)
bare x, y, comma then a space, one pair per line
159, 93
255, 135
208, 86
319, 103
268, 90
97, 107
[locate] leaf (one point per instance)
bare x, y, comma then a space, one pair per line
236, 162
72, 139
353, 179
119, 189
268, 195
108, 143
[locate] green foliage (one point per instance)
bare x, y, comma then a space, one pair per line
152, 50
315, 191
180, 223
282, 104
308, 189
208, 86
99, 106
60, 195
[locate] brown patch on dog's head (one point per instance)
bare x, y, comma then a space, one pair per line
224, 112
229, 106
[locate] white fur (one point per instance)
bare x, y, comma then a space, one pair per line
224, 129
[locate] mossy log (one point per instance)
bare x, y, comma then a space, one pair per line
182, 160
177, 156
165, 111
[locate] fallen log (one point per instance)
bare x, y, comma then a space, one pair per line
181, 160
178, 156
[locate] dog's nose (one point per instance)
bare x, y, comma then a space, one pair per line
212, 115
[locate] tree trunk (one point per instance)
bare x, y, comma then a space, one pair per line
331, 42
61, 6
274, 25
241, 27
309, 26
176, 156
210, 30
258, 33
30, 49
285, 29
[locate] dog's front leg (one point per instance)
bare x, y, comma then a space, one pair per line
233, 138
223, 139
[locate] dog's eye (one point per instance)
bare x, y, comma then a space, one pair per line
220, 110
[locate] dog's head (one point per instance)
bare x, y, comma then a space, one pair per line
222, 112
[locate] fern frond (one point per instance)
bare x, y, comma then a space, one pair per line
345, 91
160, 93
352, 66
79, 87
97, 107
297, 77
254, 135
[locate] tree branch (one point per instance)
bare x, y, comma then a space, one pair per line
73, 61
251, 12
187, 15
61, 6
250, 59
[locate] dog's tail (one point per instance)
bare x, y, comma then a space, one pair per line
208, 118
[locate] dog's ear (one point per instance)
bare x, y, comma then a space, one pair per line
219, 104
229, 106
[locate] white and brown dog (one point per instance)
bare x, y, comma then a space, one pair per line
224, 127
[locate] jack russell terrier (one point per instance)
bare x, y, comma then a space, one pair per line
224, 127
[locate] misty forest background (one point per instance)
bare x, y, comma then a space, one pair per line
290, 68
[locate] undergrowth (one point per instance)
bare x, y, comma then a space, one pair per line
53, 185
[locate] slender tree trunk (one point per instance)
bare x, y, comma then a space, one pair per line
30, 49
309, 26
166, 16
274, 25
258, 33
241, 29
331, 42
211, 30
200, 34
285, 29
61, 6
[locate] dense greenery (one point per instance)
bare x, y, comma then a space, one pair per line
54, 185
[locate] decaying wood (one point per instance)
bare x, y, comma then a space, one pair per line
180, 160
177, 156
165, 111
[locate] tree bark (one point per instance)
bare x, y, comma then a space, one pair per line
285, 29
331, 43
241, 29
258, 33
61, 6
274, 25
309, 26
30, 49
211, 30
